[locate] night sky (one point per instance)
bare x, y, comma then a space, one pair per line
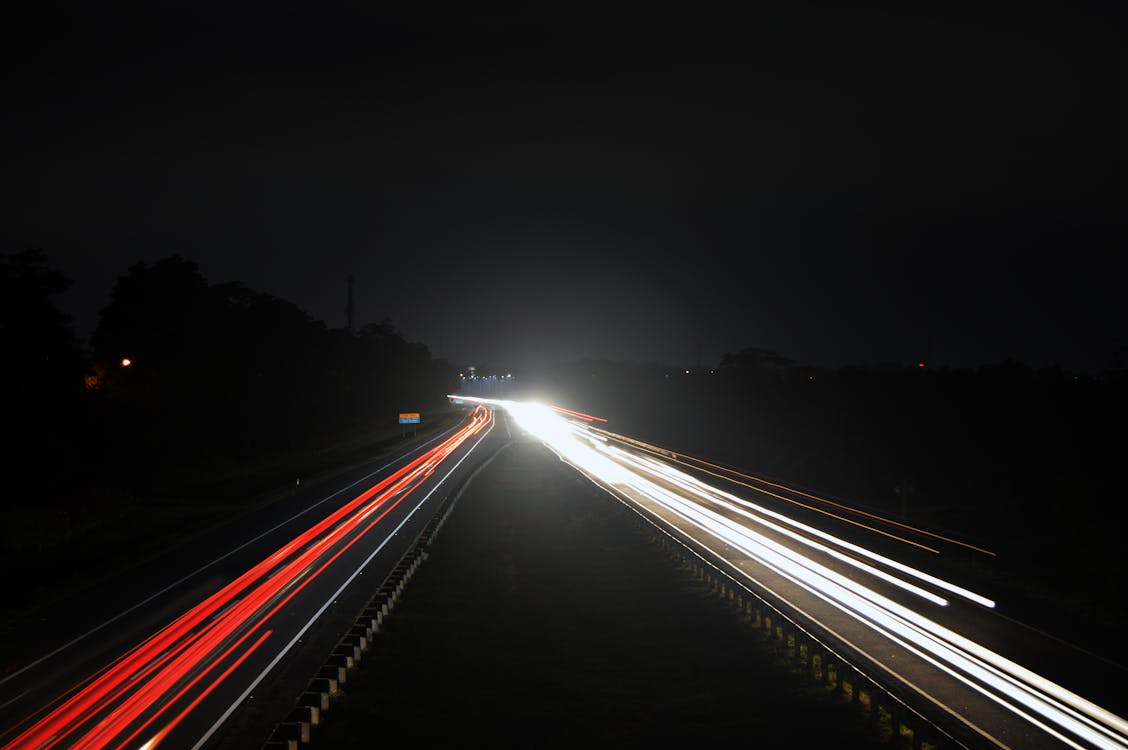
840, 185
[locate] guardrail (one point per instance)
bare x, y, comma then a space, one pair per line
299, 726
890, 717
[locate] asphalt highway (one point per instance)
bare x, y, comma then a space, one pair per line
217, 641
208, 648
987, 679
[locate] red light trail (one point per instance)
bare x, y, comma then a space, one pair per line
579, 414
736, 477
173, 670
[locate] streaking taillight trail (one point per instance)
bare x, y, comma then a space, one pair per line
140, 697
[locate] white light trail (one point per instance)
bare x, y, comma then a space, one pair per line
726, 500
1056, 710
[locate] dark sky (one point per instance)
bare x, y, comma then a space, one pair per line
840, 185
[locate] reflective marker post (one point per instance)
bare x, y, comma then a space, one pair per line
409, 417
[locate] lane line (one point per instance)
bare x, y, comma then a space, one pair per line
659, 523
332, 599
201, 569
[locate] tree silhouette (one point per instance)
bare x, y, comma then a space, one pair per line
43, 374
220, 373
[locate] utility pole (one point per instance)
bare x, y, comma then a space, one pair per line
349, 307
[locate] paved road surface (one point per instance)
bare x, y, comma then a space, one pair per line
545, 616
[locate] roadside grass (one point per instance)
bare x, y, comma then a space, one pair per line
1051, 568
51, 553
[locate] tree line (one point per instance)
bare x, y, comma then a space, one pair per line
183, 375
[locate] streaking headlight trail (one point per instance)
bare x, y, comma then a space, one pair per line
754, 532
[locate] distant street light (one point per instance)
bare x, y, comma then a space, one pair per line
126, 361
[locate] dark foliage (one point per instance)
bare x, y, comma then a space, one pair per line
218, 375
42, 374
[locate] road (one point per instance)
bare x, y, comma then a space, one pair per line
220, 648
547, 615
948, 650
216, 652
